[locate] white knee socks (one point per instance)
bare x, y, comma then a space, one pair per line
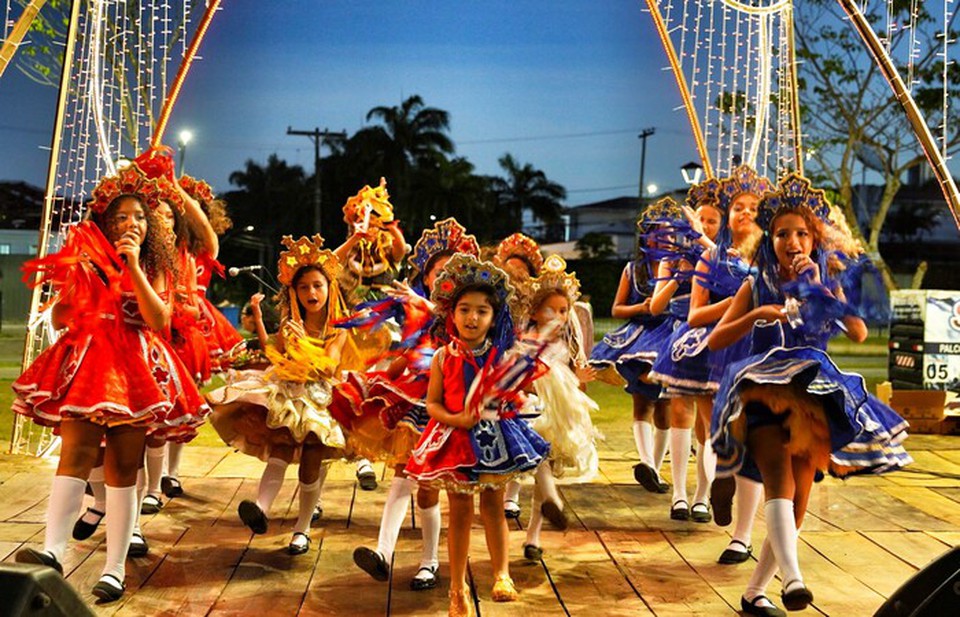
394, 511
155, 458
174, 451
66, 497
536, 519
512, 491
679, 456
545, 482
99, 495
643, 438
706, 471
661, 438
270, 483
309, 494
749, 495
122, 506
762, 575
782, 535
430, 526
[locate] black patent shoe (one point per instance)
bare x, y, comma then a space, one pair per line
730, 556
721, 500
751, 608
109, 588
647, 477
82, 529
372, 562
252, 516
680, 511
532, 553
43, 558
427, 577
796, 599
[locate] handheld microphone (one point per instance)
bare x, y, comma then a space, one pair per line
237, 271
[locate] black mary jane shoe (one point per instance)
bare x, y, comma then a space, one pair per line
171, 487
151, 505
647, 477
680, 512
425, 578
751, 608
372, 563
367, 477
532, 553
796, 599
82, 529
555, 514
700, 513
730, 556
511, 509
252, 516
138, 546
109, 588
299, 547
43, 558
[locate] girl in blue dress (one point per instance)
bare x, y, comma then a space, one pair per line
788, 408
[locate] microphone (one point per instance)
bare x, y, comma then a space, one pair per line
236, 271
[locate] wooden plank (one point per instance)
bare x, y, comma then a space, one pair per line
858, 556
338, 587
914, 547
666, 583
928, 461
950, 538
926, 500
835, 591
952, 493
199, 461
887, 506
700, 549
536, 594
827, 504
21, 492
602, 506
8, 549
237, 465
585, 577
20, 532
197, 568
406, 562
951, 455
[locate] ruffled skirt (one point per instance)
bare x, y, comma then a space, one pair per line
623, 357
684, 367
218, 332
828, 414
256, 415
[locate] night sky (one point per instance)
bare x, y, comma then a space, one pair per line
564, 85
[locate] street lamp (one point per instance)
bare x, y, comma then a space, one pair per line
692, 172
652, 189
183, 138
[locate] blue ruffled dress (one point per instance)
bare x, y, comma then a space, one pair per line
790, 379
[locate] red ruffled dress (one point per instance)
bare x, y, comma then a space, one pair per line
108, 367
186, 329
220, 334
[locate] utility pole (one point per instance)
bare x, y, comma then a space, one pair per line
317, 136
643, 155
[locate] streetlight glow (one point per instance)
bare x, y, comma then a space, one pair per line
652, 189
248, 228
692, 172
185, 136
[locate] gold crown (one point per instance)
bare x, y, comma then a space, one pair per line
306, 252
519, 245
743, 179
707, 193
664, 209
793, 192
375, 201
554, 277
463, 270
128, 181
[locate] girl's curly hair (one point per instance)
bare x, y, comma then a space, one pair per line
158, 251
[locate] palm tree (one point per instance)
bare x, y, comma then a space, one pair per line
526, 187
415, 132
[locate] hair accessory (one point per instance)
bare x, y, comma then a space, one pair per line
129, 181
519, 245
707, 193
662, 211
742, 180
554, 277
446, 235
198, 189
793, 192
306, 252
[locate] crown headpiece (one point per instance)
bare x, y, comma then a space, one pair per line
446, 235
519, 245
793, 192
707, 193
132, 181
554, 277
306, 252
463, 270
742, 180
370, 206
198, 189
661, 211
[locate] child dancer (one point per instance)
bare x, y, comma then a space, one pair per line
384, 414
789, 408
462, 449
109, 376
565, 421
280, 415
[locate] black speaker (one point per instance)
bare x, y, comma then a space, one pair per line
30, 590
931, 592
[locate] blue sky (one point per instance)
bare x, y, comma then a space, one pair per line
513, 75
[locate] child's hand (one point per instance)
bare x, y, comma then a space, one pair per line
771, 313
586, 374
804, 265
693, 219
255, 301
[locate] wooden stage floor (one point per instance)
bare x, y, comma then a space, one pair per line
621, 556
